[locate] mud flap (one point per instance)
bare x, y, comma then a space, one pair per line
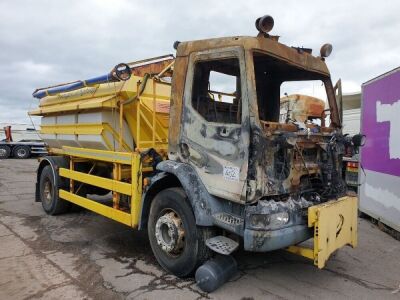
335, 225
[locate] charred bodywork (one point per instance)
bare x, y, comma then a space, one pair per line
270, 171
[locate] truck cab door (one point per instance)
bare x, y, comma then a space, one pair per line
215, 134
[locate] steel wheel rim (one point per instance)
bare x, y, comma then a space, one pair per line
21, 152
169, 233
47, 192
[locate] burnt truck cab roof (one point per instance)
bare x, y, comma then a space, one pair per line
269, 45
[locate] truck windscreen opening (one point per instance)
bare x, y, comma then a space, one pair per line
276, 80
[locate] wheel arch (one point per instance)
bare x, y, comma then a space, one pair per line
159, 182
177, 174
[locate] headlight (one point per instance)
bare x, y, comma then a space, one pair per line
272, 221
279, 219
260, 221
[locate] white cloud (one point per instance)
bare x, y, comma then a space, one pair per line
46, 42
30, 68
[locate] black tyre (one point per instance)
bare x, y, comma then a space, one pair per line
4, 151
22, 152
51, 203
177, 242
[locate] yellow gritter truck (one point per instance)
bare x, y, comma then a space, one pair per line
193, 149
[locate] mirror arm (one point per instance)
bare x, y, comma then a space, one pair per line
335, 118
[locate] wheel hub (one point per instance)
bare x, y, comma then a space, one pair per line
169, 233
47, 191
3, 152
21, 152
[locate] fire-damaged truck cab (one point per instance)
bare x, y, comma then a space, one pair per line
229, 141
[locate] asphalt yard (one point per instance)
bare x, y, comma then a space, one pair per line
81, 255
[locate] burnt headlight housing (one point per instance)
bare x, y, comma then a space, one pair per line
259, 221
270, 221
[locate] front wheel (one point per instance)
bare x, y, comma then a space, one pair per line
177, 242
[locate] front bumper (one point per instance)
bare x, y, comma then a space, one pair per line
332, 225
263, 241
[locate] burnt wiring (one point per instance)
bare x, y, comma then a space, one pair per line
156, 158
333, 185
304, 163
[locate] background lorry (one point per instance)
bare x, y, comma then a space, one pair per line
27, 145
193, 150
351, 104
380, 157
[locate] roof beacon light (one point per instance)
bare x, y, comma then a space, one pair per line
265, 24
326, 50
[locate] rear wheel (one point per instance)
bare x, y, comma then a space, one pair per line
22, 152
177, 242
5, 151
51, 203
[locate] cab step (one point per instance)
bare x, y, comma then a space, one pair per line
222, 244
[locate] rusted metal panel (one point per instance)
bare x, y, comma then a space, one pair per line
153, 68
176, 105
269, 46
333, 107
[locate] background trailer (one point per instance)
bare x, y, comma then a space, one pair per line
380, 157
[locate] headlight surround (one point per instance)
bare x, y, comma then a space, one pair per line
270, 221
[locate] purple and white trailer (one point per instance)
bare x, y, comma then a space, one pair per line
380, 122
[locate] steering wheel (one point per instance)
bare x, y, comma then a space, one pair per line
122, 71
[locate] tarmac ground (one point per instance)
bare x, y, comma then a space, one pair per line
81, 255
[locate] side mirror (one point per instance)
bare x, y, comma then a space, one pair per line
358, 140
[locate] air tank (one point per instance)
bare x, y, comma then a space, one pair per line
215, 272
